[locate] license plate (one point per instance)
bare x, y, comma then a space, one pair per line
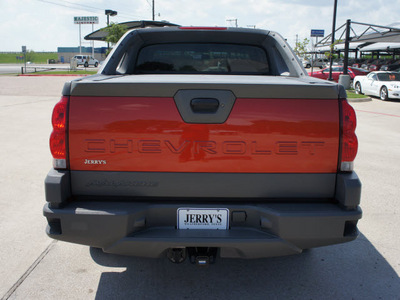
203, 218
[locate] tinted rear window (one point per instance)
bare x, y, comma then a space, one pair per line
202, 59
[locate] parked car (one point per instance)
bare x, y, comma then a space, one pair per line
376, 65
319, 62
383, 84
336, 71
86, 60
356, 63
306, 63
395, 65
365, 65
334, 64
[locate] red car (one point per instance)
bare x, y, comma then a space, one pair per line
336, 71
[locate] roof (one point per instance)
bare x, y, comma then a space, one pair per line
365, 47
352, 46
389, 36
100, 34
380, 72
381, 47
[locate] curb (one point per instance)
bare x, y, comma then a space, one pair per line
51, 75
366, 99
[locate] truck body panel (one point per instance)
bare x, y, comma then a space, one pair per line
146, 134
204, 124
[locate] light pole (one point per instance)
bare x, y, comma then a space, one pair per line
346, 47
233, 20
333, 41
108, 13
153, 10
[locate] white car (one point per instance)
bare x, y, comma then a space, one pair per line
86, 60
383, 84
320, 62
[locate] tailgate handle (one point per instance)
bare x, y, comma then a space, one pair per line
204, 105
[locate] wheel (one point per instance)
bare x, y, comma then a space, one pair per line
358, 88
86, 64
308, 66
96, 64
384, 93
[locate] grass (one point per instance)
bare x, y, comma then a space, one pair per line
352, 95
35, 57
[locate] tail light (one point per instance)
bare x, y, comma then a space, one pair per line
349, 142
58, 138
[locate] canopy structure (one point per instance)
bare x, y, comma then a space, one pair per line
101, 34
372, 35
388, 35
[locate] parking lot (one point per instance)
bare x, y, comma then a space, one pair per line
35, 267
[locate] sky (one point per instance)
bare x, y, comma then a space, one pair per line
44, 25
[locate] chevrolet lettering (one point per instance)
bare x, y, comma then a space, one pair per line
196, 147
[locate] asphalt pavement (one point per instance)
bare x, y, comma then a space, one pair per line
36, 267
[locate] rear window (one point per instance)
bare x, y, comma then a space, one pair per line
202, 59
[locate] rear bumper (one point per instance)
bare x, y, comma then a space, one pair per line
149, 229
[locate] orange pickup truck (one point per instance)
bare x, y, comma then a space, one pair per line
203, 142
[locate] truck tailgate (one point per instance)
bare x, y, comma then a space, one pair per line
144, 133
148, 134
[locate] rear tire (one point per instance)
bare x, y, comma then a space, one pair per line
357, 88
384, 93
86, 64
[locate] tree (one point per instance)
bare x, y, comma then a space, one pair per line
332, 47
30, 55
115, 32
301, 48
